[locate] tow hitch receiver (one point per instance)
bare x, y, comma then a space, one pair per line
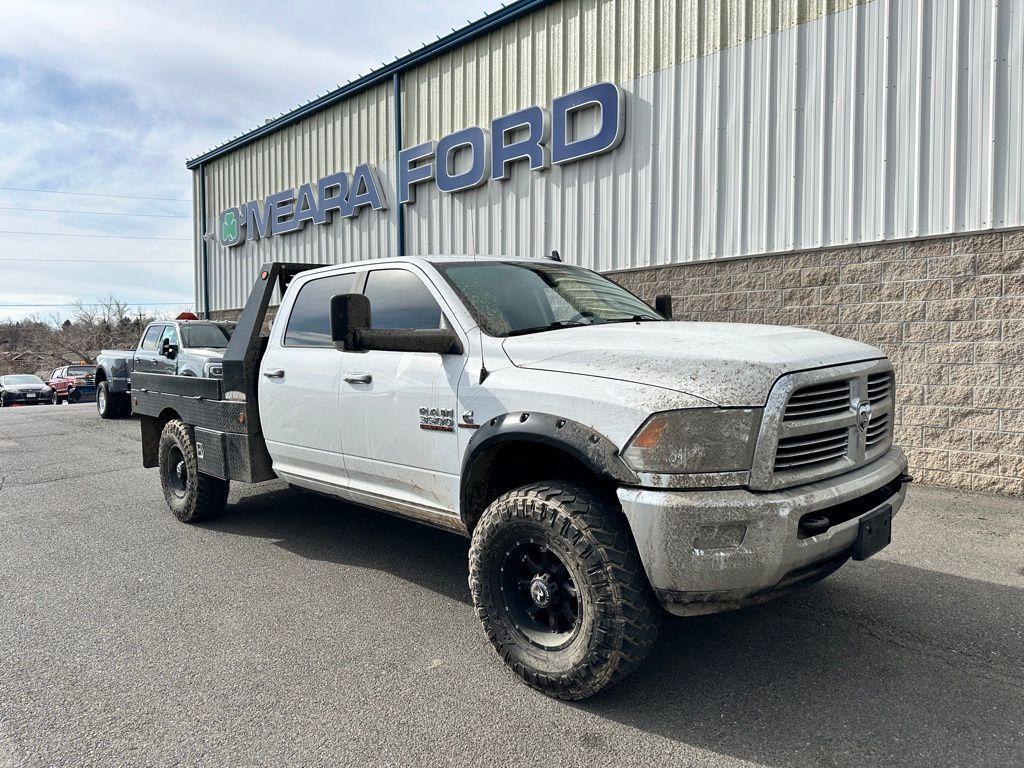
874, 534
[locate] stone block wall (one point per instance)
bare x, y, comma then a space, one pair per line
948, 312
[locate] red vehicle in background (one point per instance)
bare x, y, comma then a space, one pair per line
73, 384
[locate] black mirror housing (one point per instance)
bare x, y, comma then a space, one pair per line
442, 341
351, 331
350, 312
663, 305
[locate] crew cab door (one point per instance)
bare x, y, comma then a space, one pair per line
300, 383
162, 363
146, 355
398, 409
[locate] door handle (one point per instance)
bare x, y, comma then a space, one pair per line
358, 378
274, 373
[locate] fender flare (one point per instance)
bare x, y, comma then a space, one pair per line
585, 444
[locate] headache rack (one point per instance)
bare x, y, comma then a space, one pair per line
223, 413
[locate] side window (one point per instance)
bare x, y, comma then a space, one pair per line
152, 337
55, 374
399, 299
309, 324
170, 334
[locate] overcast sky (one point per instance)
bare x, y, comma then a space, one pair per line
111, 97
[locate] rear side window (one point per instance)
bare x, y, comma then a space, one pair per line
309, 324
149, 341
399, 299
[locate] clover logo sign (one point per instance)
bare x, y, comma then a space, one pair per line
231, 227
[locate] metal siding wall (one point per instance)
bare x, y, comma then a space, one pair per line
849, 123
752, 127
339, 138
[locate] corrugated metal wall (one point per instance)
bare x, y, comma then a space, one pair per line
752, 127
358, 130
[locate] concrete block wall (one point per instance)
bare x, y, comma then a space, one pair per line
948, 312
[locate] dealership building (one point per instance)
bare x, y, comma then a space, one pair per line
855, 166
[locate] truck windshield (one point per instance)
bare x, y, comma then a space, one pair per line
206, 335
509, 298
80, 370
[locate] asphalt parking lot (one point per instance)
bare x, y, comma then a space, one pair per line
296, 631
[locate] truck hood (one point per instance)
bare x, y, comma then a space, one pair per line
730, 364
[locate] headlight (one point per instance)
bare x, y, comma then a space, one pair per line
695, 440
214, 370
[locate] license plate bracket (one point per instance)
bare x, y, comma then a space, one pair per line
874, 533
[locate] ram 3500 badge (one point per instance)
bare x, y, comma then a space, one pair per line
608, 464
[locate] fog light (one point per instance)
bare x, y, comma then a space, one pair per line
720, 536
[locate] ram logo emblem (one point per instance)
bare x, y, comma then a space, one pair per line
863, 416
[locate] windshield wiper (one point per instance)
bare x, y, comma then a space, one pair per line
633, 319
549, 327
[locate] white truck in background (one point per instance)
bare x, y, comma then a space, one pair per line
607, 463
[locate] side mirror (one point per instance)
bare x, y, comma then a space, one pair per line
350, 312
350, 330
442, 341
663, 305
168, 350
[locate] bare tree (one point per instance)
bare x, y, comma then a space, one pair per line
35, 345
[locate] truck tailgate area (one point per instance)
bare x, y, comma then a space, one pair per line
229, 439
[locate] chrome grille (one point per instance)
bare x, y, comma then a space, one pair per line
879, 387
830, 397
877, 432
824, 422
811, 449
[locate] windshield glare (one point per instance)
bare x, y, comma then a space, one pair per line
23, 380
208, 335
511, 297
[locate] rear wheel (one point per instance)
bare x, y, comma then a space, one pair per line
190, 495
111, 405
560, 590
104, 403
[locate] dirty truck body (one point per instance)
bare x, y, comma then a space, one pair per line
607, 463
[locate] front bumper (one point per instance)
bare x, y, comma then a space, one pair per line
709, 551
25, 398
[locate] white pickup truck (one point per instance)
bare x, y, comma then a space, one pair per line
607, 463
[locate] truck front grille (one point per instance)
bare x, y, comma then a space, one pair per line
878, 431
879, 386
827, 421
811, 449
818, 400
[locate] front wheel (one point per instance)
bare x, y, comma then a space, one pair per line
558, 585
190, 495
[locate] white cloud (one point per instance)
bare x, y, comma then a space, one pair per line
112, 96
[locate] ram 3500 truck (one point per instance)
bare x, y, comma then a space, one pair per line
176, 347
607, 463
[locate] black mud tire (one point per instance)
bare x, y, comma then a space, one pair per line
108, 405
618, 617
190, 495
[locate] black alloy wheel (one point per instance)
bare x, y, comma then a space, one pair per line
540, 595
177, 472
